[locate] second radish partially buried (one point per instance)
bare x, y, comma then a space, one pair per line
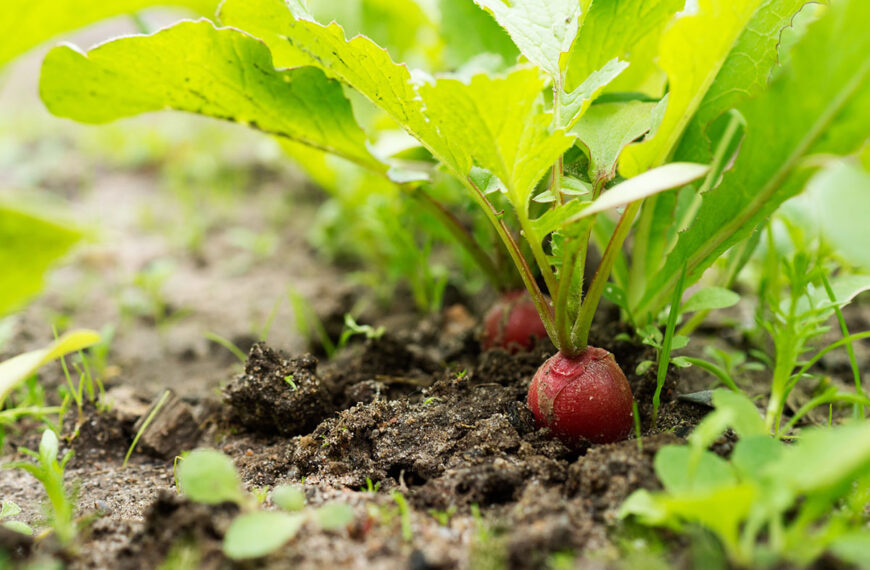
513, 323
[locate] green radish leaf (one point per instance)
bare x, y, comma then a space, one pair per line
542, 29
469, 31
754, 453
30, 244
710, 298
745, 73
19, 368
256, 534
598, 40
198, 68
556, 217
674, 469
573, 105
509, 136
606, 129
733, 410
25, 24
208, 476
819, 104
402, 26
840, 196
358, 62
651, 182
838, 457
852, 547
692, 51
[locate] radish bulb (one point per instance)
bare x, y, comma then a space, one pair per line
513, 323
585, 397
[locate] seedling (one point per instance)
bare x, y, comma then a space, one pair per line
209, 477
49, 472
9, 509
769, 499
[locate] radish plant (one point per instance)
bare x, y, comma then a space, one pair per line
548, 149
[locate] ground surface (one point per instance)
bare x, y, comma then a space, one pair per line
202, 229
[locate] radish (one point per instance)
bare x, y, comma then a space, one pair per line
513, 323
586, 397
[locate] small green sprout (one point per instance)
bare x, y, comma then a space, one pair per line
405, 516
208, 476
370, 486
10, 509
49, 471
289, 380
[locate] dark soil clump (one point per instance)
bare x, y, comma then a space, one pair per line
278, 394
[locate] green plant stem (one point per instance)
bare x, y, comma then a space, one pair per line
145, 425
786, 357
462, 236
580, 331
826, 398
665, 353
720, 374
543, 307
538, 252
826, 350
853, 362
566, 276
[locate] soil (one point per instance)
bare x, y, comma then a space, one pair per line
420, 411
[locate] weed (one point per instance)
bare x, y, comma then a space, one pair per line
48, 470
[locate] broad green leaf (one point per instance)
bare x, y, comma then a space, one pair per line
18, 368
401, 26
840, 196
256, 534
30, 244
573, 105
289, 497
542, 29
358, 62
853, 547
734, 411
710, 298
744, 74
501, 125
18, 526
845, 288
612, 29
754, 453
208, 476
556, 217
837, 455
819, 104
24, 24
674, 469
9, 509
469, 31
651, 182
195, 67
692, 52
606, 129
334, 516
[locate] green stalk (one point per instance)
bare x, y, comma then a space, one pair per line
541, 304
580, 331
665, 354
853, 362
462, 236
538, 252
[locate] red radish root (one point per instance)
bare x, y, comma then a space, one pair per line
513, 323
586, 397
